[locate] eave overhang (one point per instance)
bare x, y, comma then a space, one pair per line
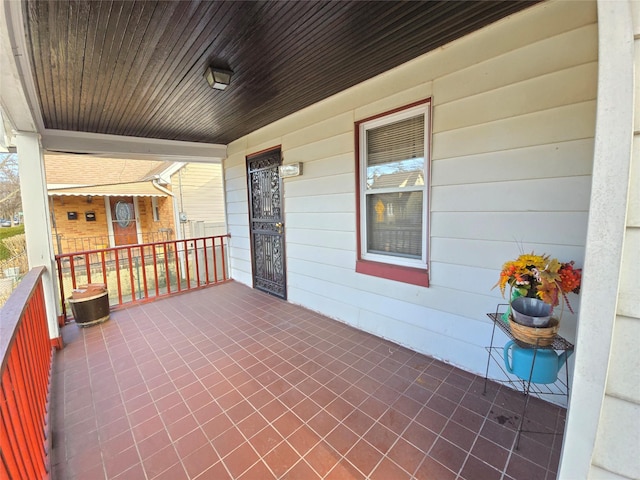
132, 189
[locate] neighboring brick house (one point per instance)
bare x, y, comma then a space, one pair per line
104, 202
99, 202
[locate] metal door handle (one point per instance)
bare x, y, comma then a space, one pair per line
279, 227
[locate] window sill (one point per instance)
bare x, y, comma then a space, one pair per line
413, 276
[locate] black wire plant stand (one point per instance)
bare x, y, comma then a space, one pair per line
526, 386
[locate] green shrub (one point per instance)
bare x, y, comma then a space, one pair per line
8, 232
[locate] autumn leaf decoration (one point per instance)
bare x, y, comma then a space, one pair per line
540, 276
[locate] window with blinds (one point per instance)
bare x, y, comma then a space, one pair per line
393, 190
396, 142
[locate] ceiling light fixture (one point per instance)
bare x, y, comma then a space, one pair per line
218, 78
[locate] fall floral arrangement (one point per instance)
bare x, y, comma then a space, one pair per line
540, 276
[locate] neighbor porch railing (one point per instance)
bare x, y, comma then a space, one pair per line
11, 271
63, 244
26, 356
136, 273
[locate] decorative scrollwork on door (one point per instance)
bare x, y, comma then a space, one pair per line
265, 227
265, 194
269, 261
266, 223
265, 160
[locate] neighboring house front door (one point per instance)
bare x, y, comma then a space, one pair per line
266, 223
123, 220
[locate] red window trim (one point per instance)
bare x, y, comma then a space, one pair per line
411, 275
399, 273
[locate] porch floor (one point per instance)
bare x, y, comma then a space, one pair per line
229, 382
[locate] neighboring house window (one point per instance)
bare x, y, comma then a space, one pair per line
393, 166
155, 209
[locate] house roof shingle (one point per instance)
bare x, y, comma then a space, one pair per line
70, 169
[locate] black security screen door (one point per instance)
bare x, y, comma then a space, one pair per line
265, 223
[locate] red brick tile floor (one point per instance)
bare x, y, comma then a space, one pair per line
231, 383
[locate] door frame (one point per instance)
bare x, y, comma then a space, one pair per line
278, 149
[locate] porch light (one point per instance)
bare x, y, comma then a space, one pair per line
218, 78
290, 170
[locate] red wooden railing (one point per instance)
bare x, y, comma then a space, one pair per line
137, 273
26, 355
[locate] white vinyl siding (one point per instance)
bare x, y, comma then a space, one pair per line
198, 190
513, 123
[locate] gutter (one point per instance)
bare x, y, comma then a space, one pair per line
176, 219
154, 182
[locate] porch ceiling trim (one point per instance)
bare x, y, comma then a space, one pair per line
133, 189
140, 148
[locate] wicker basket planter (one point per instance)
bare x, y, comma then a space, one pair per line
540, 336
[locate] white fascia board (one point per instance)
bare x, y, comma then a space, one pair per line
132, 147
171, 170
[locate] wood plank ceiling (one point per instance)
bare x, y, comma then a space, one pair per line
136, 67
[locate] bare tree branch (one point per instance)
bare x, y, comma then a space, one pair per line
10, 199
